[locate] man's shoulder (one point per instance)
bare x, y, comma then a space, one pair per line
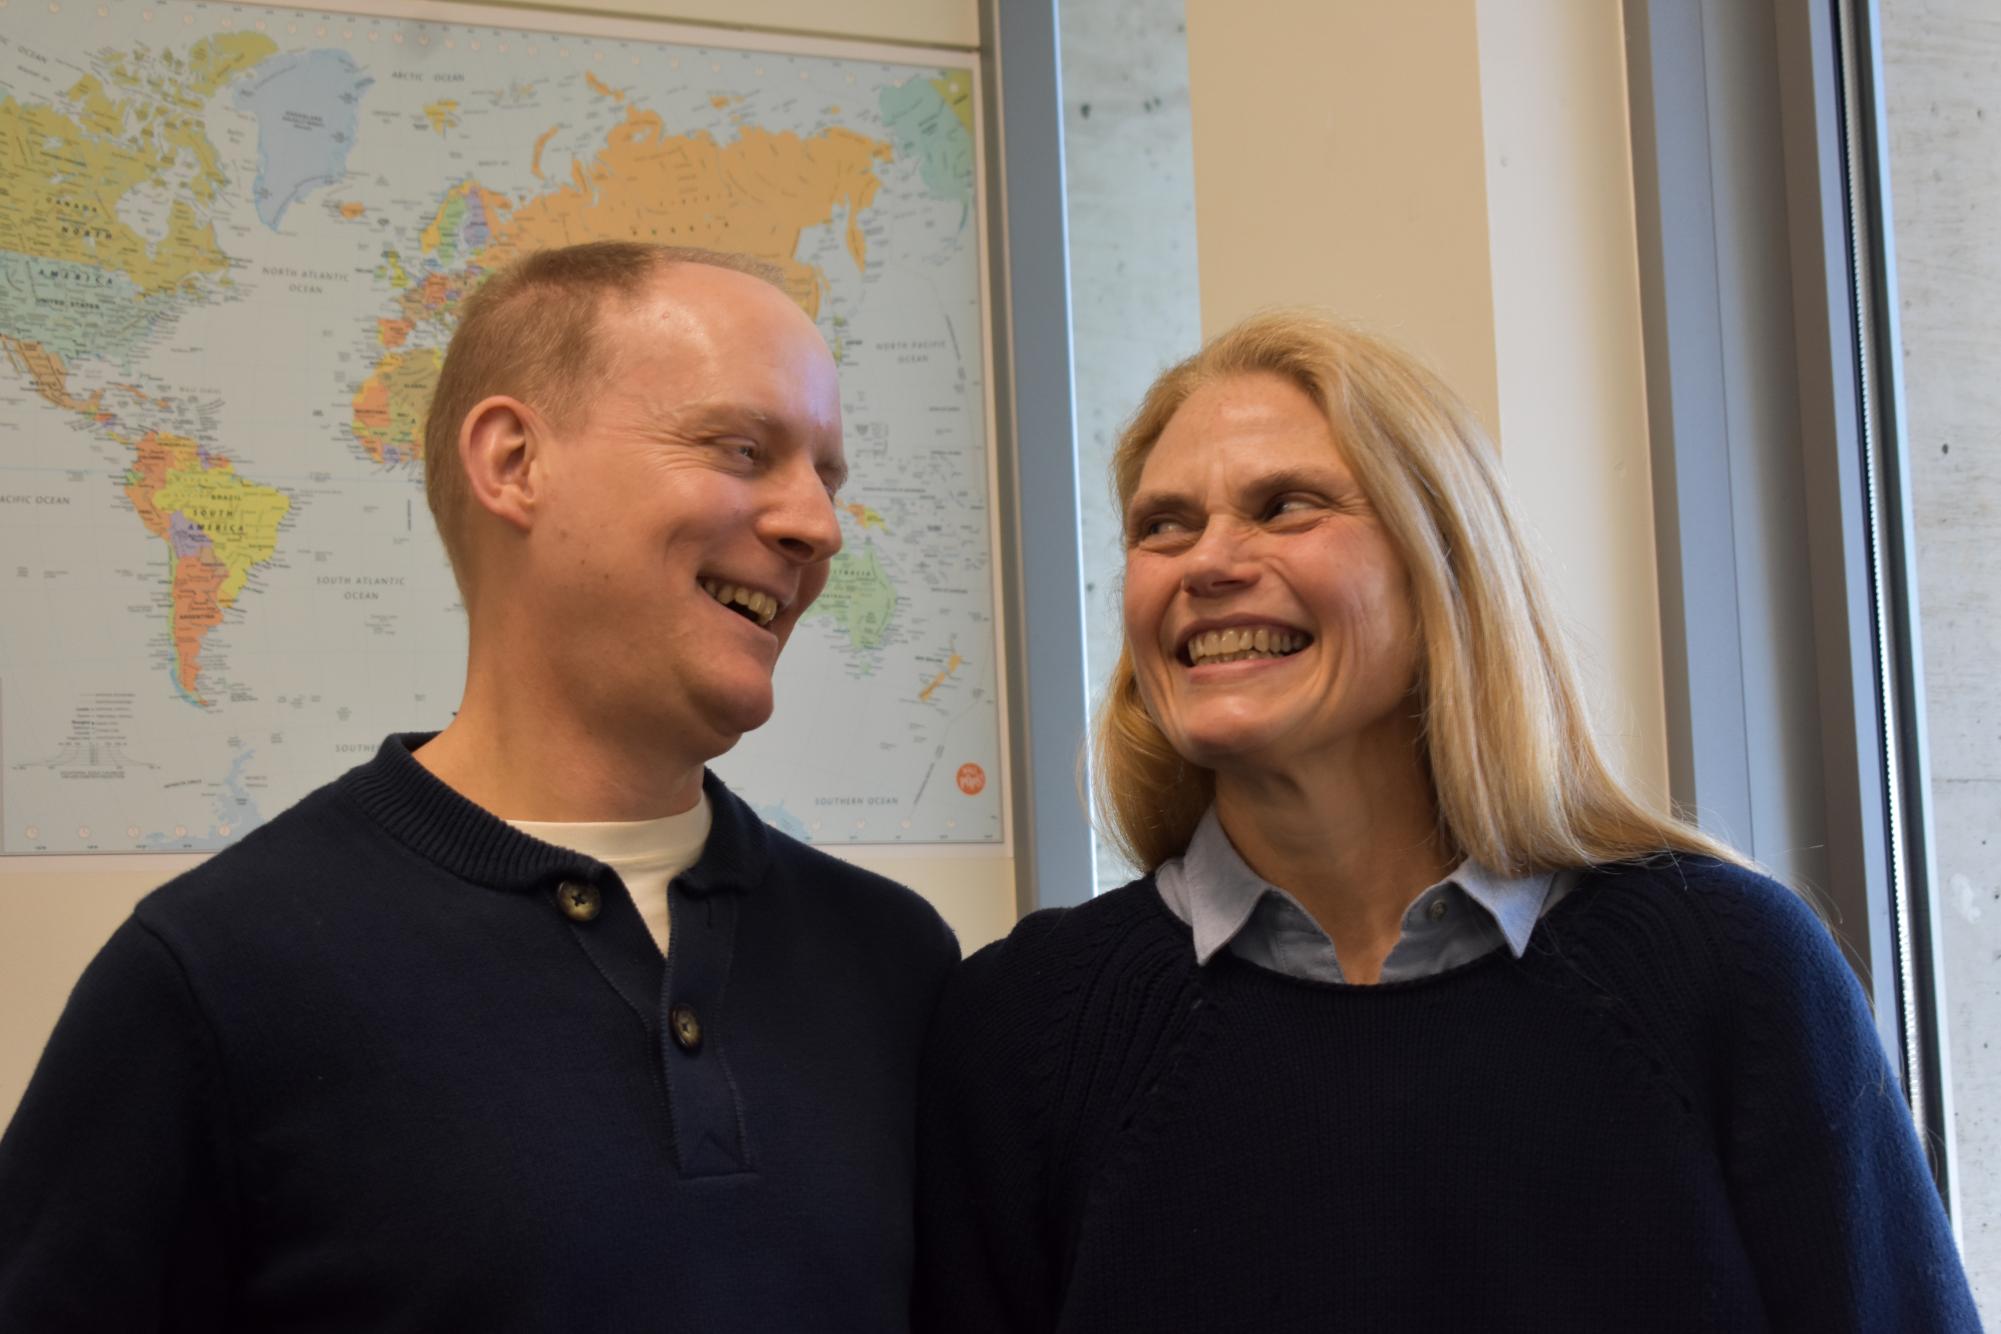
305, 845
870, 902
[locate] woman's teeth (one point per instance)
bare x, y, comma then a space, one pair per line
1233, 645
761, 606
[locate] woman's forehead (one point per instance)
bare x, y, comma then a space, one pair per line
1242, 425
1247, 396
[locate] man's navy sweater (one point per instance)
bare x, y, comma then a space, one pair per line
363, 1072
1671, 1114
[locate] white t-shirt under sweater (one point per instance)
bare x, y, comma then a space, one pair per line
647, 854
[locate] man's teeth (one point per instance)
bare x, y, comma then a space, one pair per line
761, 606
1232, 645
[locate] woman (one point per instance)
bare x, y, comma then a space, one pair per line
1421, 1021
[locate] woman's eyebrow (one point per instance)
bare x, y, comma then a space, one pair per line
1263, 484
1294, 479
1149, 501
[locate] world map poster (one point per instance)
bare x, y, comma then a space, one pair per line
233, 239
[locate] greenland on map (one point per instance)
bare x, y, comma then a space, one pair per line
232, 242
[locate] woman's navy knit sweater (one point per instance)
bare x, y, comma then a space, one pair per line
1672, 1114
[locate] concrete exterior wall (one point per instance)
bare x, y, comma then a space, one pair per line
1944, 102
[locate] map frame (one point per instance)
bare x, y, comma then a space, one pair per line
384, 17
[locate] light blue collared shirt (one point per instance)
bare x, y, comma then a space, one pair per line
1464, 916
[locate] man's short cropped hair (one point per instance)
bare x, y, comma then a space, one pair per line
531, 332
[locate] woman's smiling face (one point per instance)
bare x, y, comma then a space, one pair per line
1268, 612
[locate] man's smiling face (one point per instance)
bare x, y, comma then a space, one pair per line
686, 516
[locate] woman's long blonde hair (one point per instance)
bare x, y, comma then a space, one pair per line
1520, 781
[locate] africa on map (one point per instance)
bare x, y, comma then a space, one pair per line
233, 239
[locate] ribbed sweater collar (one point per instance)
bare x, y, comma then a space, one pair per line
425, 815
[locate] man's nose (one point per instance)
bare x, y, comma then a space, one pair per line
802, 522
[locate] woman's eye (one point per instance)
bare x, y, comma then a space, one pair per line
1158, 526
1282, 506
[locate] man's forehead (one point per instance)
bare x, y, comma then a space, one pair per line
716, 313
690, 293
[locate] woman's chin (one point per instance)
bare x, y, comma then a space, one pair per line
1225, 748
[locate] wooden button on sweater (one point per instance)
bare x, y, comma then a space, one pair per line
579, 900
687, 1027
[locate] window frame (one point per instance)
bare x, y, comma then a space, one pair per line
1775, 406
1036, 421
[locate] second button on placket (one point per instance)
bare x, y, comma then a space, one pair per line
686, 1026
708, 1125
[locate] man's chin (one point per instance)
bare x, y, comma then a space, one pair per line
738, 712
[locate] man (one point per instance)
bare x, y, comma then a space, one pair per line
530, 1025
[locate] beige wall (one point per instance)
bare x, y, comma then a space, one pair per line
51, 923
1338, 163
1567, 344
1456, 173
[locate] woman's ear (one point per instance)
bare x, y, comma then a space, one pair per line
500, 447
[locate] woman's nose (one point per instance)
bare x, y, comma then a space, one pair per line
1219, 561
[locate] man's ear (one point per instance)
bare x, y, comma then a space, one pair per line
500, 445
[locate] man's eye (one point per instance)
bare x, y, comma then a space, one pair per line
749, 450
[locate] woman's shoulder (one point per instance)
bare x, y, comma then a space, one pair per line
1053, 956
1736, 903
1692, 873
1708, 970
1061, 1028
1790, 1019
1700, 916
1121, 926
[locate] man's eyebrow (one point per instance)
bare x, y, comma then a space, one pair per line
729, 416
